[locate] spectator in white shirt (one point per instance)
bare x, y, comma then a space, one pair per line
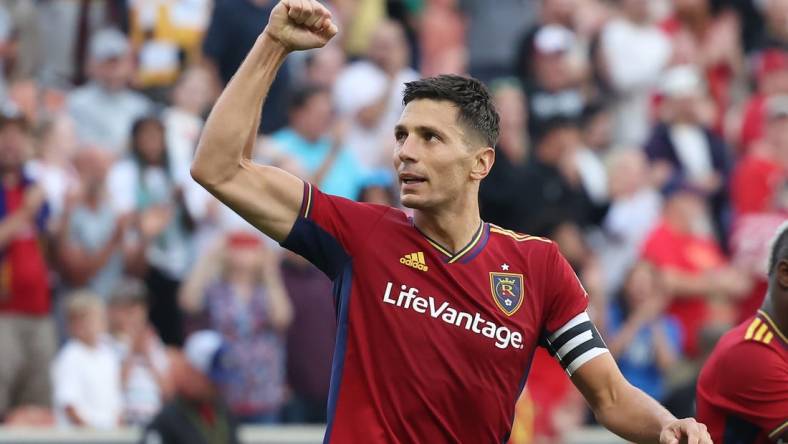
105, 107
86, 373
369, 94
635, 52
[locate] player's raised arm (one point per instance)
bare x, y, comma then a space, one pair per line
267, 197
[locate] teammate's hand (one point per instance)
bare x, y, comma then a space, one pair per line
684, 431
300, 24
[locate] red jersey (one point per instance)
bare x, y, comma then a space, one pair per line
435, 346
743, 387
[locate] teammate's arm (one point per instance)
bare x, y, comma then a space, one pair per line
267, 197
627, 411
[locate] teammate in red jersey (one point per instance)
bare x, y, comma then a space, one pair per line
438, 315
743, 388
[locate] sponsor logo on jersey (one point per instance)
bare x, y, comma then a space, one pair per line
414, 260
507, 291
409, 299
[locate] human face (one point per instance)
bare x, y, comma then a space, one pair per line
150, 142
314, 119
14, 143
89, 325
437, 162
113, 74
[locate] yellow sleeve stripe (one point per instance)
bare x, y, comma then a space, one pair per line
776, 432
751, 328
773, 325
768, 338
516, 236
761, 331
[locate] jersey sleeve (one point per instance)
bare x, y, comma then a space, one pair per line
753, 388
567, 332
331, 230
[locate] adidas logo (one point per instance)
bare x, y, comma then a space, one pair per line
414, 260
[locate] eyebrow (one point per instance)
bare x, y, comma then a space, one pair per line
422, 129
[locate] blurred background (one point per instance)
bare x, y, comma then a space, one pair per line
649, 139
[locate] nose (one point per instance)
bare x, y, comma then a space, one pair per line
407, 150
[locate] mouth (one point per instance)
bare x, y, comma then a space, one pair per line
411, 179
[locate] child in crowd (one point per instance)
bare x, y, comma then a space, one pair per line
86, 373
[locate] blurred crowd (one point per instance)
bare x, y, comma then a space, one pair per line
649, 139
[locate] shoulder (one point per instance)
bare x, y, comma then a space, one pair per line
747, 358
520, 241
82, 96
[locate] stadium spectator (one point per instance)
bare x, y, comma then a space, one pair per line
691, 263
105, 108
143, 184
240, 288
27, 333
635, 207
91, 245
683, 144
551, 12
553, 89
644, 340
144, 364
505, 182
323, 67
316, 140
442, 39
634, 53
596, 128
86, 372
369, 93
490, 54
197, 414
771, 79
310, 339
234, 27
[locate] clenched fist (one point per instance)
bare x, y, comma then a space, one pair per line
300, 24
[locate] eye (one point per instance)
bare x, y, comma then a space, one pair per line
431, 137
400, 136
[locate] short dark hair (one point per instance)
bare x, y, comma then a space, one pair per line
300, 96
550, 125
779, 248
474, 103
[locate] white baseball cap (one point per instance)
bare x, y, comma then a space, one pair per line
108, 43
553, 39
206, 351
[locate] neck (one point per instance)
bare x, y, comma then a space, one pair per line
452, 227
778, 312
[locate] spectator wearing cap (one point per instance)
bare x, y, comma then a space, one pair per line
144, 364
197, 414
233, 29
27, 333
86, 372
316, 140
699, 282
634, 53
771, 79
682, 143
368, 93
91, 244
105, 108
553, 88
239, 287
551, 12
143, 184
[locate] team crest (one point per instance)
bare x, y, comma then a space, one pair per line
507, 290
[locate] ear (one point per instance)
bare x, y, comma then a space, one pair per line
781, 273
483, 162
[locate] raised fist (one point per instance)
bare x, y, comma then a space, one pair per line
300, 24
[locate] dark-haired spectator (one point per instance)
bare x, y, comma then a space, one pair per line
144, 364
683, 144
105, 108
239, 287
144, 184
234, 27
596, 127
697, 277
310, 339
368, 93
644, 340
91, 245
553, 88
86, 372
506, 181
27, 333
634, 53
316, 140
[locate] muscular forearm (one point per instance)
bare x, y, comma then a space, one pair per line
633, 415
224, 143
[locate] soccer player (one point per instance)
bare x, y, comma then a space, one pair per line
438, 315
743, 388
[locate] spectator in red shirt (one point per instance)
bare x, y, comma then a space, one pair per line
27, 334
771, 75
691, 263
764, 170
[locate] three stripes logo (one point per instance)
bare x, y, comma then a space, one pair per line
758, 331
414, 260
